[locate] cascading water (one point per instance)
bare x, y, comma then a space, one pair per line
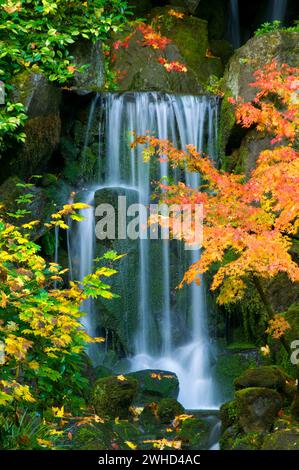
234, 24
277, 10
169, 335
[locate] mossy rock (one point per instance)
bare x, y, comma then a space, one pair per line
93, 437
285, 439
229, 436
153, 385
257, 408
194, 434
112, 396
265, 376
249, 441
228, 414
168, 409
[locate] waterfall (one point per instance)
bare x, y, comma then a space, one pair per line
169, 335
277, 9
234, 24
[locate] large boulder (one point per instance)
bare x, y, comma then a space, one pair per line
153, 385
265, 376
113, 396
139, 69
41, 100
284, 439
257, 408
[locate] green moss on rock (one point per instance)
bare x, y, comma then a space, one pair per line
285, 439
168, 409
257, 408
112, 397
153, 385
265, 376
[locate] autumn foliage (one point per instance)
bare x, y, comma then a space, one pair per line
248, 223
41, 337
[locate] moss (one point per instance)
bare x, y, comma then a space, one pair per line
266, 376
228, 368
194, 434
168, 409
112, 397
285, 439
227, 122
257, 408
155, 385
227, 439
93, 437
228, 414
249, 441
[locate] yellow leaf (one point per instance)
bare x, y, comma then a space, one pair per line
58, 412
131, 445
33, 365
121, 378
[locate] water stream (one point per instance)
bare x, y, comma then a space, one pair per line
167, 334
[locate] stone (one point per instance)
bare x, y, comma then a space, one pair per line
41, 100
228, 414
168, 409
257, 408
257, 52
285, 439
112, 396
92, 78
265, 376
153, 385
140, 70
194, 433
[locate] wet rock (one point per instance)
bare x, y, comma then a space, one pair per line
112, 396
257, 408
228, 414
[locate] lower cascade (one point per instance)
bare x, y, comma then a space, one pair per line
158, 326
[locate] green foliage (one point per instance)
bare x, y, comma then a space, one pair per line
276, 26
27, 432
36, 35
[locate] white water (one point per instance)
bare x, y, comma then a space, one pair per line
234, 24
278, 9
183, 120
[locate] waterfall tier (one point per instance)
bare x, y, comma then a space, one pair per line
158, 326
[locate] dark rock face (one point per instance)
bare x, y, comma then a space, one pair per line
153, 385
112, 396
257, 408
42, 102
92, 78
